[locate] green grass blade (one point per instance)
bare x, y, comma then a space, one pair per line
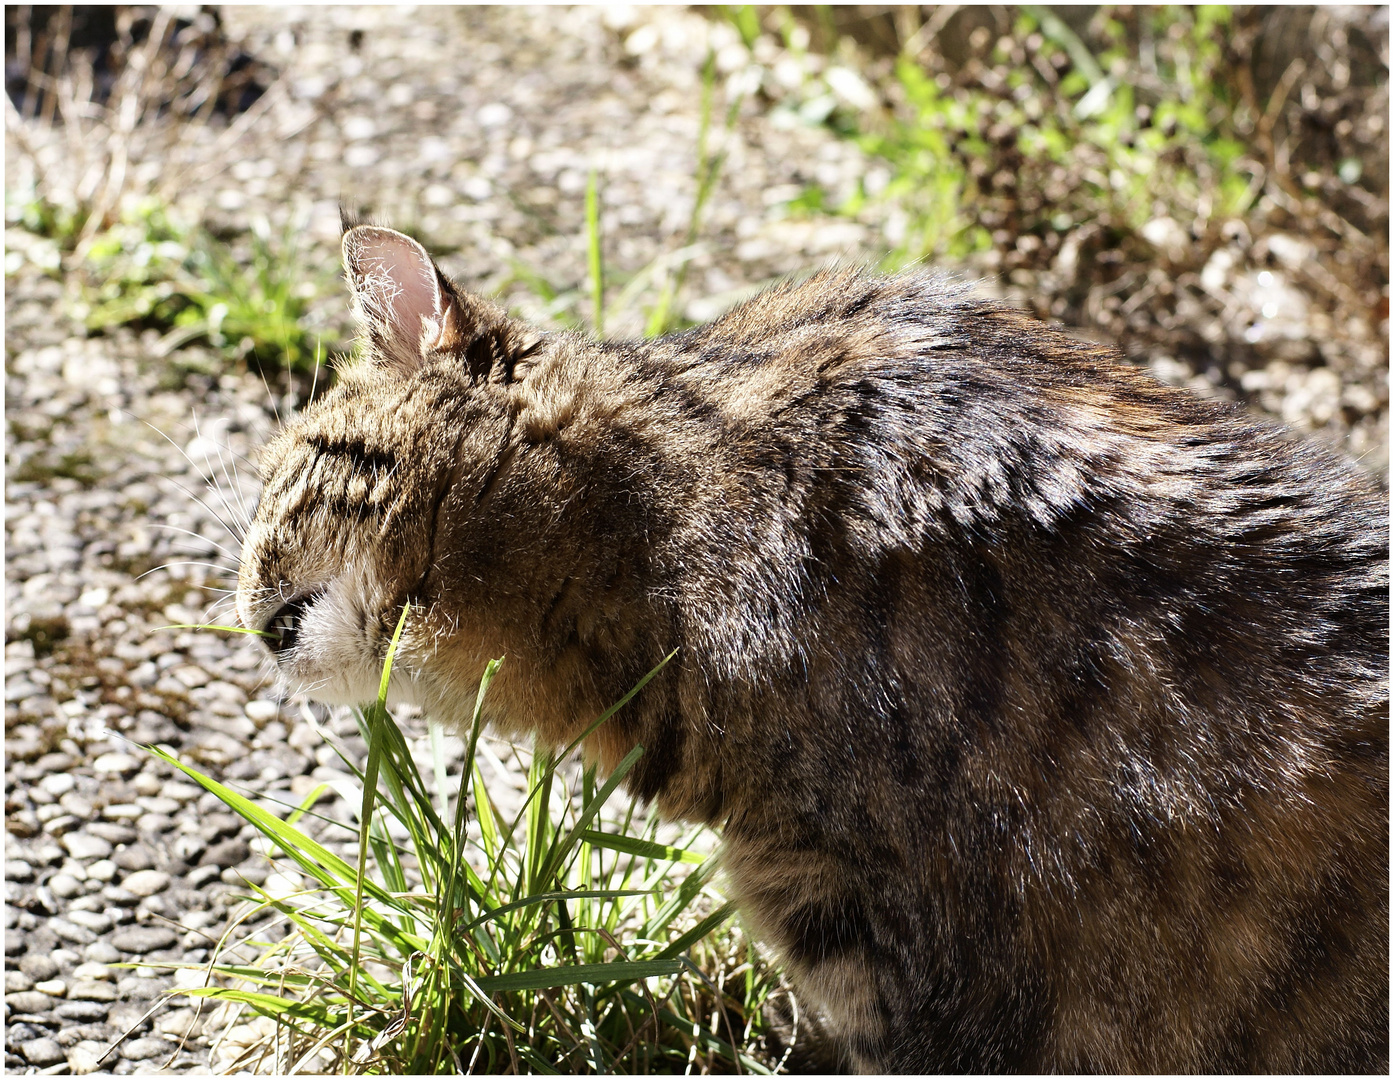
632, 845
561, 848
627, 971
374, 716
594, 261
698, 932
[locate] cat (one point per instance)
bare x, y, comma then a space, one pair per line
1044, 707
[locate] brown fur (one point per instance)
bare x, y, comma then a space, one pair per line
1044, 707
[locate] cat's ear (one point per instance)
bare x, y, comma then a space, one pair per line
405, 305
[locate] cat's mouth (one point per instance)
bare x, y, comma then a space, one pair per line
284, 626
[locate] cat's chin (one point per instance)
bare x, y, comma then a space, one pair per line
350, 688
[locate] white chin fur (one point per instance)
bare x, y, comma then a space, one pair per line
334, 660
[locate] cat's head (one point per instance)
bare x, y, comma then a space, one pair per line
346, 532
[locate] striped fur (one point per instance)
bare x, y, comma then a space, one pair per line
1045, 708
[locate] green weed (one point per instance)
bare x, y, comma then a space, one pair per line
152, 270
552, 941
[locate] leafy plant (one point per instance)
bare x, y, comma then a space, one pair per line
152, 270
546, 942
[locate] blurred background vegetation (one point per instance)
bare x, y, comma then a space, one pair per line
1206, 186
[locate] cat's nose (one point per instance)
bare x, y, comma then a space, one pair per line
284, 626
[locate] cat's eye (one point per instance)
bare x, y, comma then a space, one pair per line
285, 624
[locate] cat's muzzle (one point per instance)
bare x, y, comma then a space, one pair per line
284, 627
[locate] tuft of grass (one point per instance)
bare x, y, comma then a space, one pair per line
152, 270
466, 940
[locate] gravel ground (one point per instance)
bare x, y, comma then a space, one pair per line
476, 128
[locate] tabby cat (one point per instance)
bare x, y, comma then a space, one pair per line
1044, 708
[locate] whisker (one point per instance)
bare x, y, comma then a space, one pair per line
241, 531
196, 536
240, 534
315, 382
188, 562
181, 426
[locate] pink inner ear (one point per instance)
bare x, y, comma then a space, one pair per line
395, 281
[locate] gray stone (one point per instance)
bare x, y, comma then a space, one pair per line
226, 854
65, 886
19, 1033
203, 875
216, 826
155, 823
92, 990
82, 1011
16, 982
39, 967
112, 832
43, 1052
86, 845
28, 1001
146, 882
117, 763
18, 870
134, 857
188, 848
95, 921
70, 931
144, 1049
102, 952
143, 939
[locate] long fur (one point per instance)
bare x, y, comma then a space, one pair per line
1044, 707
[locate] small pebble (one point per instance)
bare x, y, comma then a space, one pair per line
93, 990
113, 832
39, 967
188, 848
70, 931
16, 982
115, 894
179, 791
102, 952
146, 882
34, 1002
65, 886
143, 939
147, 784
261, 711
85, 1012
201, 876
122, 812
144, 1049
43, 1052
95, 921
85, 1057
91, 970
102, 870
116, 763
52, 987
18, 870
82, 845
134, 857
59, 783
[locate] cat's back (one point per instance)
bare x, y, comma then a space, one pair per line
1093, 660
